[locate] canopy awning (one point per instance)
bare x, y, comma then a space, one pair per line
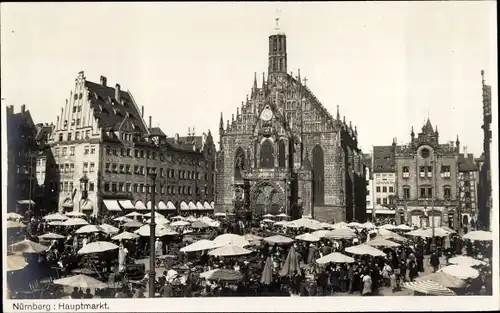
112, 205
381, 211
170, 206
192, 206
148, 205
207, 205
68, 204
212, 204
162, 206
199, 206
184, 206
126, 204
26, 202
139, 205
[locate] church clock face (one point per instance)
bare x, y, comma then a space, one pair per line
266, 114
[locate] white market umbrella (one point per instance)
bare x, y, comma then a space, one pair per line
81, 281
180, 224
444, 279
388, 226
268, 215
327, 226
364, 249
266, 220
252, 237
321, 233
280, 223
206, 220
463, 260
14, 216
97, 247
75, 214
278, 239
226, 275
479, 235
75, 222
304, 222
282, 215
51, 236
57, 223
460, 271
109, 229
387, 234
199, 245
404, 227
229, 251
122, 219
13, 224
157, 215
417, 233
178, 217
160, 231
220, 214
368, 225
134, 214
27, 246
308, 237
381, 242
133, 224
125, 236
55, 217
428, 287
89, 229
341, 233
335, 257
159, 220
16, 262
340, 225
191, 219
355, 224
231, 240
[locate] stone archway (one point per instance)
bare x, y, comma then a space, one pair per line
266, 197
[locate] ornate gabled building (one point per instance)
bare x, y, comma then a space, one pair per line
104, 152
427, 174
283, 152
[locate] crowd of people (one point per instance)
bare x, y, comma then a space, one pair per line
268, 269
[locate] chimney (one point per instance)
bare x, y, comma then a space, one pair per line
142, 111
150, 121
23, 108
117, 93
10, 109
464, 149
176, 138
103, 81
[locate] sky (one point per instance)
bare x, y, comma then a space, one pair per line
389, 66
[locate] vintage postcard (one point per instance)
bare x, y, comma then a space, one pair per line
168, 157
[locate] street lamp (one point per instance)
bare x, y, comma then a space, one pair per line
152, 239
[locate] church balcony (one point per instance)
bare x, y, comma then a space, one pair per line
276, 173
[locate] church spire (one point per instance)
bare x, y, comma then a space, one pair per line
255, 80
221, 122
263, 80
338, 113
298, 77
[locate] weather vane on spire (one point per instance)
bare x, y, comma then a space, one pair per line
278, 12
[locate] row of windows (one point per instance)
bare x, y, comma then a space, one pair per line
427, 192
78, 135
143, 170
151, 155
64, 150
68, 186
384, 189
426, 171
141, 188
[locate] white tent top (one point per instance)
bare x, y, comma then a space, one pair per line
200, 245
266, 220
308, 237
158, 215
139, 205
97, 247
109, 229
125, 236
460, 271
335, 257
403, 227
75, 222
364, 250
179, 223
81, 281
278, 239
178, 217
220, 214
162, 206
268, 216
229, 251
479, 235
133, 214
160, 231
55, 217
231, 239
51, 236
429, 287
75, 214
340, 225
368, 225
388, 226
465, 261
89, 229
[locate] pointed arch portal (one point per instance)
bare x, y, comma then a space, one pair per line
318, 164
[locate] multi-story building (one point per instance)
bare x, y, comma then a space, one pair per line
284, 152
384, 181
369, 184
427, 179
485, 201
21, 159
468, 174
105, 152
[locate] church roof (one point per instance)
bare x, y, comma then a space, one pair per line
428, 129
383, 159
109, 113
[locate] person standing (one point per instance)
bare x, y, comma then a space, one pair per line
367, 284
434, 261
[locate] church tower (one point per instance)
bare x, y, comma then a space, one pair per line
277, 51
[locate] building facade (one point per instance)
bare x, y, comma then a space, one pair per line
485, 201
468, 178
283, 152
384, 181
369, 184
21, 152
104, 152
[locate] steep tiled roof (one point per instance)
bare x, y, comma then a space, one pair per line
156, 131
466, 164
109, 113
187, 142
427, 129
383, 160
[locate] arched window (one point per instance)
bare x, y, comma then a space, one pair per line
318, 163
447, 192
267, 154
281, 154
239, 163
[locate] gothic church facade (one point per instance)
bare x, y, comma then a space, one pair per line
283, 152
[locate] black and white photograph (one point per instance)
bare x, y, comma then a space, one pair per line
236, 150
